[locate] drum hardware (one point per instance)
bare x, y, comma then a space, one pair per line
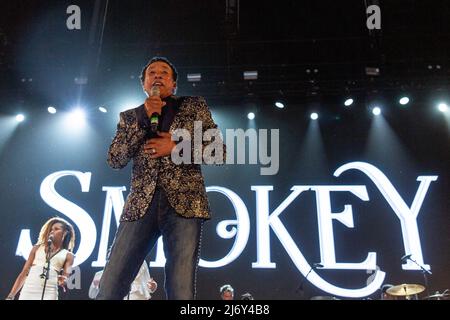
439, 296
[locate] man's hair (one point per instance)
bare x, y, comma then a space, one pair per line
247, 296
226, 287
162, 59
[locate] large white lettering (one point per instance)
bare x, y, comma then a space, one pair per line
266, 221
113, 202
241, 232
407, 215
325, 219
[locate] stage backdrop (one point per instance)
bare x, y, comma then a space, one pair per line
351, 192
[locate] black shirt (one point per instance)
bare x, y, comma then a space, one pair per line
168, 113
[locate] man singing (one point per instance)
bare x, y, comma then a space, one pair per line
166, 198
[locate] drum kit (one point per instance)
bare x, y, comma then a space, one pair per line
402, 292
411, 291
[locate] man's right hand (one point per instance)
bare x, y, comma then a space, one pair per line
153, 104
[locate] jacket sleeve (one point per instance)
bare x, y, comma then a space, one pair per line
129, 137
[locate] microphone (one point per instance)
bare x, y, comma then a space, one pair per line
406, 257
154, 118
50, 240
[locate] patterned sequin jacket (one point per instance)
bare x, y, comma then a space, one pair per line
183, 183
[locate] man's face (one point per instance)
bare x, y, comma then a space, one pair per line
227, 295
159, 74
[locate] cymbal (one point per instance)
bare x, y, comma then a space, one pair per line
405, 289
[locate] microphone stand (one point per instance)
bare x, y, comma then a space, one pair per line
424, 272
46, 271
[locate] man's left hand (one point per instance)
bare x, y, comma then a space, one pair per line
161, 146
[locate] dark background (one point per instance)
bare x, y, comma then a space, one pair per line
311, 55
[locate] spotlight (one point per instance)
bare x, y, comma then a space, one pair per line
51, 110
348, 102
251, 116
372, 71
20, 117
314, 116
250, 75
404, 101
279, 104
194, 77
102, 109
77, 117
376, 111
443, 107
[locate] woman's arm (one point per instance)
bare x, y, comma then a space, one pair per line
67, 269
18, 284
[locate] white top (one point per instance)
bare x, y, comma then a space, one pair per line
139, 289
33, 286
56, 261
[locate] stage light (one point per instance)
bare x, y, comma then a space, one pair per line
376, 111
250, 75
194, 77
76, 119
314, 116
251, 116
20, 117
51, 110
372, 71
443, 107
348, 102
404, 101
279, 104
102, 109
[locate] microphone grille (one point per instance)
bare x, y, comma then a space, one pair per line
154, 91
